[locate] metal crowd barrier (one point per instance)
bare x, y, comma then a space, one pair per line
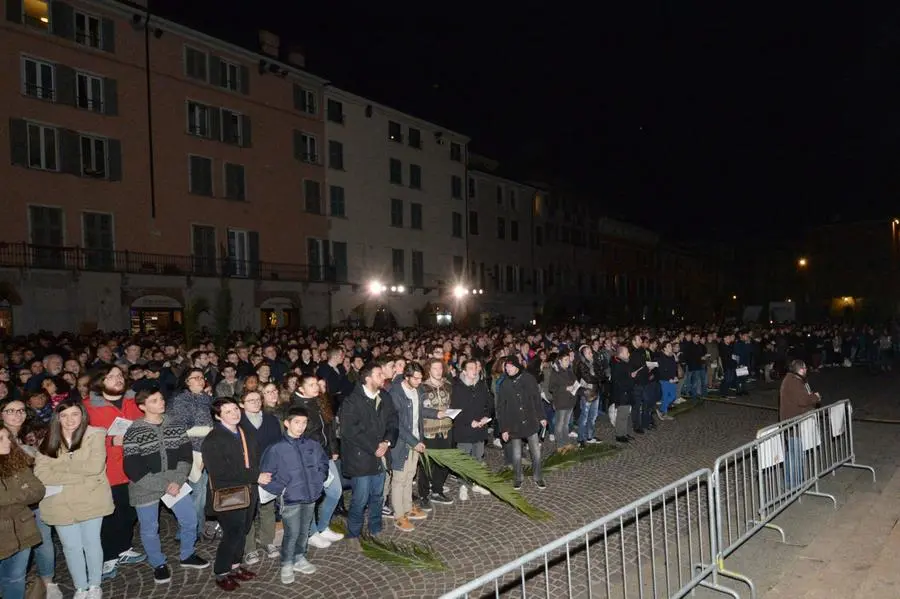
756, 482
662, 545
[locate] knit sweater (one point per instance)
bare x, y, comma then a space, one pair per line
155, 456
439, 399
191, 410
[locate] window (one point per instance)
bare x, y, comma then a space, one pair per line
415, 138
418, 269
198, 119
94, 157
395, 132
501, 228
415, 176
396, 212
203, 243
243, 253
339, 256
336, 154
312, 194
473, 222
459, 266
306, 148
200, 175
195, 64
335, 111
229, 75
317, 257
305, 100
415, 216
396, 175
398, 260
89, 92
456, 187
99, 245
457, 225
235, 127
512, 199
42, 150
471, 187
37, 13
39, 78
235, 183
499, 195
510, 279
46, 229
87, 30
538, 236
514, 230
455, 152
336, 199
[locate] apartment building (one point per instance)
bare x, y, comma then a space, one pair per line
151, 165
396, 208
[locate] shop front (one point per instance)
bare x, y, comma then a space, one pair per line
156, 314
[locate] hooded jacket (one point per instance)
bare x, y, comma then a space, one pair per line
101, 414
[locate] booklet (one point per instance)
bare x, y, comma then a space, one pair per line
452, 413
51, 490
652, 365
170, 500
118, 427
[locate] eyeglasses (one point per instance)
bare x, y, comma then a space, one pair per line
14, 412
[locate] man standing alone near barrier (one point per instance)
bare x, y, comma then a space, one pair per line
795, 398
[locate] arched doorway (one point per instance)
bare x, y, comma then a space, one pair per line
9, 297
156, 313
279, 313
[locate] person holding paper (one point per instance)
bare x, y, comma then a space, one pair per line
108, 401
158, 458
436, 433
472, 398
795, 398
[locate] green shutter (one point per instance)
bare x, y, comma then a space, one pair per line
108, 35
65, 85
227, 132
253, 253
62, 19
215, 123
114, 156
245, 80
298, 145
14, 11
246, 131
215, 70
18, 141
110, 96
69, 152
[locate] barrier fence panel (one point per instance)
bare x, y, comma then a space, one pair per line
757, 481
662, 545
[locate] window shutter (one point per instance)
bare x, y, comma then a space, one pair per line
253, 253
108, 35
245, 80
227, 132
110, 96
18, 141
65, 84
114, 153
70, 152
215, 70
14, 11
298, 145
62, 19
299, 97
246, 131
215, 123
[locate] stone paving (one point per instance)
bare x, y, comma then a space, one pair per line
476, 536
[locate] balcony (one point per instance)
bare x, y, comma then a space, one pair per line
23, 255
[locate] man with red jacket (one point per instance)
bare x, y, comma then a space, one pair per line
108, 401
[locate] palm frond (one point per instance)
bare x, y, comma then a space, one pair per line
338, 525
407, 555
464, 466
565, 458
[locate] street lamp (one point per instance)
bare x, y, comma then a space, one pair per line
802, 262
459, 291
376, 288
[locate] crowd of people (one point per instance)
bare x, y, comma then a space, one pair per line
99, 431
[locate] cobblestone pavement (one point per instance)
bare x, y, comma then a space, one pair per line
476, 536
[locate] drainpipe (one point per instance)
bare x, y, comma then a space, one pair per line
149, 114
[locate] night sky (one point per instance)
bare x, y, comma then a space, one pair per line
726, 119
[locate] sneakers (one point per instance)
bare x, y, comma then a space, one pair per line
517, 485
387, 511
463, 493
497, 443
416, 514
440, 498
109, 569
162, 574
403, 523
540, 483
593, 441
272, 551
319, 542
131, 557
573, 435
329, 535
623, 439
425, 505
552, 438
53, 591
194, 562
287, 574
302, 565
80, 594
480, 490
94, 593
251, 559
212, 531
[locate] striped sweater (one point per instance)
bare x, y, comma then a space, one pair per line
155, 455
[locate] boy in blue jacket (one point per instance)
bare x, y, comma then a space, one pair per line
299, 470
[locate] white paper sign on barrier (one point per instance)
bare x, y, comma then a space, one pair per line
771, 452
836, 417
809, 432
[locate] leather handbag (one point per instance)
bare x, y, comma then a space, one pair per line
232, 498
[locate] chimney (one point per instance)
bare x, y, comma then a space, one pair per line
269, 43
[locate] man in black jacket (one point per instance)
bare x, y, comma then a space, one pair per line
369, 428
622, 390
637, 361
469, 427
521, 416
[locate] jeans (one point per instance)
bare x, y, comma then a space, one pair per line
12, 574
198, 496
695, 381
148, 516
668, 395
637, 399
297, 519
476, 450
587, 420
83, 551
329, 501
648, 404
366, 492
729, 380
534, 445
622, 413
45, 553
561, 426
117, 532
793, 463
263, 526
